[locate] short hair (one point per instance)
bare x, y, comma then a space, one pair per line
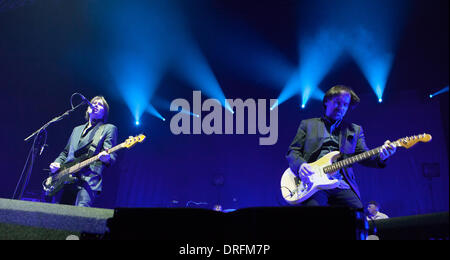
374, 203
105, 105
338, 89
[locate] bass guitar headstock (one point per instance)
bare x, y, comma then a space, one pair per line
131, 141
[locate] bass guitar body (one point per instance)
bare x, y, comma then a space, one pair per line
58, 180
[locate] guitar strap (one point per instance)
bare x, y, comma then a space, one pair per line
96, 140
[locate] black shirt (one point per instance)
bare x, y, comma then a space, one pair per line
331, 144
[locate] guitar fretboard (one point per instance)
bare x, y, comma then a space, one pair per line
85, 163
357, 158
351, 160
363, 156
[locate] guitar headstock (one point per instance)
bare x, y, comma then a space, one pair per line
409, 141
133, 140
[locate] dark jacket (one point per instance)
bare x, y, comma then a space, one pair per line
309, 139
92, 174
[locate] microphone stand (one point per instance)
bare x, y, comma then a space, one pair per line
33, 150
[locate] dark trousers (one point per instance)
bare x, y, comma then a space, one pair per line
78, 194
334, 197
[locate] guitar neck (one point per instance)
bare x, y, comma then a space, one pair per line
87, 162
354, 159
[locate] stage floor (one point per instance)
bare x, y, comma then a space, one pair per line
37, 220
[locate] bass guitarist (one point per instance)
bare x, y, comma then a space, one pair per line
94, 137
317, 137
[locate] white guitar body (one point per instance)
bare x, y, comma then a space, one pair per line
295, 191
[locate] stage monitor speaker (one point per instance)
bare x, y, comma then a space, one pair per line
259, 223
418, 227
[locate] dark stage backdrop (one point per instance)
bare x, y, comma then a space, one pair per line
183, 168
38, 75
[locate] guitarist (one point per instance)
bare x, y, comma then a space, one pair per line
84, 190
318, 136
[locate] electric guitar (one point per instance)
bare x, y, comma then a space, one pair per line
295, 190
66, 174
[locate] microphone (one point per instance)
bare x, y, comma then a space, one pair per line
85, 100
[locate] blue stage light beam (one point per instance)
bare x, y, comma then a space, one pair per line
134, 83
316, 57
165, 105
246, 53
439, 92
152, 110
138, 48
160, 33
375, 62
193, 67
369, 35
310, 93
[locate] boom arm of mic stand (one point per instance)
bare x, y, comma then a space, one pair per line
56, 119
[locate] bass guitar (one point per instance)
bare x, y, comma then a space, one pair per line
66, 174
296, 190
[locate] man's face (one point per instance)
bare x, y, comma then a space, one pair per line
372, 209
99, 110
337, 106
